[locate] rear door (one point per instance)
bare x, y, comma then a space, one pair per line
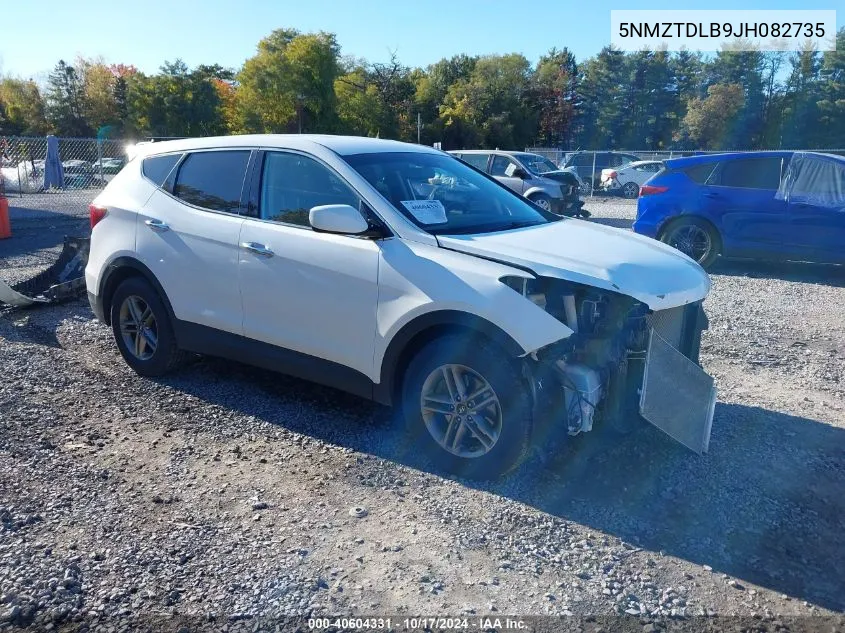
739, 197
477, 160
817, 210
187, 235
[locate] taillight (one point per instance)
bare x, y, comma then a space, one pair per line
96, 214
650, 190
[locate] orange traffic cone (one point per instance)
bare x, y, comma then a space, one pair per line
5, 225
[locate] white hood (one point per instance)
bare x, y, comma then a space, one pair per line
595, 255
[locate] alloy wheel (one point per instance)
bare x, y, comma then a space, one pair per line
543, 204
692, 240
138, 327
461, 411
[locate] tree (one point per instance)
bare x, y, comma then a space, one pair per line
65, 102
556, 80
832, 91
22, 108
290, 81
708, 121
99, 106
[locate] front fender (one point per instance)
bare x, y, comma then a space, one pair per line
416, 280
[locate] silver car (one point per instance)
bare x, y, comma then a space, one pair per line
531, 175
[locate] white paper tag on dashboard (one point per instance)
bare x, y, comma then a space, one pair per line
426, 211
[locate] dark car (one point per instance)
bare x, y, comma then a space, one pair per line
761, 205
588, 170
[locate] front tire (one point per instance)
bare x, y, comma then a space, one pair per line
542, 200
465, 406
630, 190
695, 238
142, 329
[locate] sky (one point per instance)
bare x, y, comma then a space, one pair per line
37, 33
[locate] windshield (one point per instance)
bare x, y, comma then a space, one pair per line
535, 163
441, 194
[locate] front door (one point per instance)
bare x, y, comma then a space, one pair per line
309, 292
817, 210
502, 169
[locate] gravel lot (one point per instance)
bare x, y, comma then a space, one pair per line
225, 493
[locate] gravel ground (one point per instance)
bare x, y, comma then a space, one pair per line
224, 493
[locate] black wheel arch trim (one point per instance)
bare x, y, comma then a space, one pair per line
385, 391
113, 276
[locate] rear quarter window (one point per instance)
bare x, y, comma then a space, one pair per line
156, 168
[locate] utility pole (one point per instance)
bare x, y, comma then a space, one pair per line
419, 127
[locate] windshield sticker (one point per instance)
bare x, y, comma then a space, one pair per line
426, 211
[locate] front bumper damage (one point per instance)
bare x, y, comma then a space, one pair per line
644, 368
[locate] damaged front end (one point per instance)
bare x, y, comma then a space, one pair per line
623, 363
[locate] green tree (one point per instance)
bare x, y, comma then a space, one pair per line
290, 81
65, 101
22, 108
832, 91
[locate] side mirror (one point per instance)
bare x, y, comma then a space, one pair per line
337, 218
520, 173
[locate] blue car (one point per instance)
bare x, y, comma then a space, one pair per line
760, 205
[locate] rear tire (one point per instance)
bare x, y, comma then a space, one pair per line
142, 329
695, 238
465, 406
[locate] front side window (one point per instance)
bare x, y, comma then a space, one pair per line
156, 168
213, 180
818, 182
536, 164
291, 184
500, 166
751, 173
443, 195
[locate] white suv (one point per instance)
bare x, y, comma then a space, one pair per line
398, 273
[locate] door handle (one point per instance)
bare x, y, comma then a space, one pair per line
711, 194
157, 225
258, 249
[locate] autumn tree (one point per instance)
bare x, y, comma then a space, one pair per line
708, 121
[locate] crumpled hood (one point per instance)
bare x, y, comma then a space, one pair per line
594, 255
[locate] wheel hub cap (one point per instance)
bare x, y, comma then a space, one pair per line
461, 411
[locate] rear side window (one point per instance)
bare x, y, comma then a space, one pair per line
212, 180
700, 173
751, 173
479, 161
156, 168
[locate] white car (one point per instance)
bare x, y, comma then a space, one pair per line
628, 179
398, 273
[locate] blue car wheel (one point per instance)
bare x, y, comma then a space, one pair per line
695, 238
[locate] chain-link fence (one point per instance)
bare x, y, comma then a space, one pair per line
589, 164
87, 165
